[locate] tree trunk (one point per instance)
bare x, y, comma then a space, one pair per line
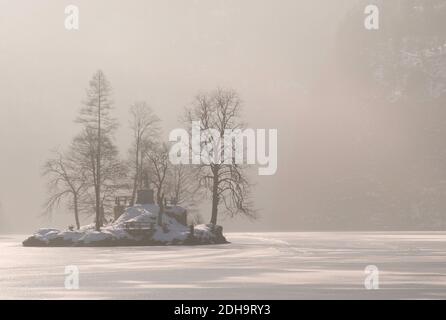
215, 197
98, 210
135, 180
98, 166
159, 199
76, 212
133, 199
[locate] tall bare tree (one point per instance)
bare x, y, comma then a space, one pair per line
113, 172
66, 181
159, 162
226, 180
145, 127
95, 117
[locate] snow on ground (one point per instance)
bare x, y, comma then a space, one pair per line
172, 231
140, 213
252, 266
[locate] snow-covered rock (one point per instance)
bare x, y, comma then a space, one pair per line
137, 226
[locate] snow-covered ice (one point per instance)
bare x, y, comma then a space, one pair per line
252, 266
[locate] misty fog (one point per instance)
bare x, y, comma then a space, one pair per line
361, 132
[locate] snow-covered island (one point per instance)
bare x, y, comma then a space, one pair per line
137, 226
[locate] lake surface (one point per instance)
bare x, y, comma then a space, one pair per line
326, 265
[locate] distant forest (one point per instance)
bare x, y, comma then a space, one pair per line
395, 78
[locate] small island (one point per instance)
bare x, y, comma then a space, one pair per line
144, 198
136, 226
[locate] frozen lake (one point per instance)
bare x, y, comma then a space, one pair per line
254, 266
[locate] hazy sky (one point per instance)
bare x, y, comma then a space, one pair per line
163, 52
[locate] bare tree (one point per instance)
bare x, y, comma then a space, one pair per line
159, 162
65, 180
226, 180
113, 172
183, 187
95, 117
145, 126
